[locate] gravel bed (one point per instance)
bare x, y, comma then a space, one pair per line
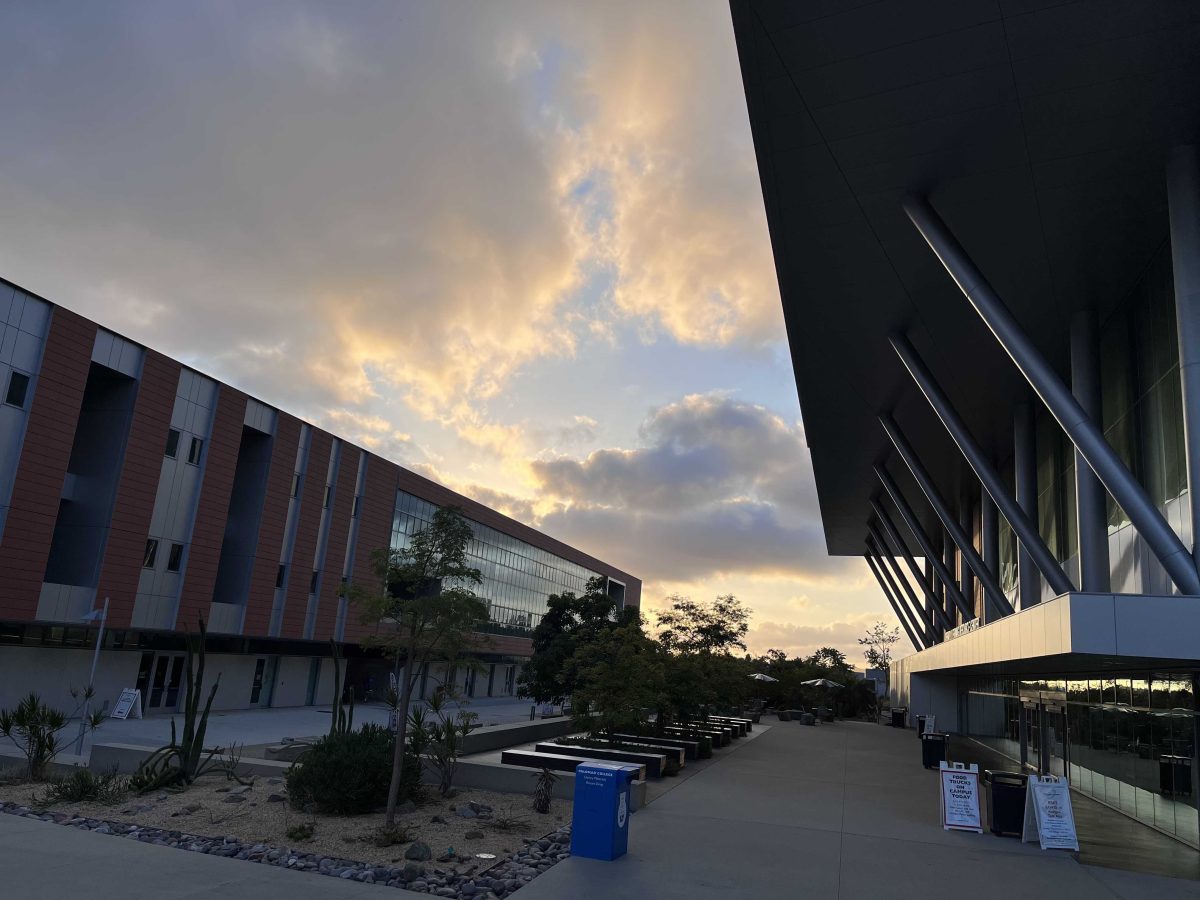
483, 882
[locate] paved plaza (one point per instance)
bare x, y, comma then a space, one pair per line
839, 811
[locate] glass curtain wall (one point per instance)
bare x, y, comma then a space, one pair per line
517, 577
1130, 741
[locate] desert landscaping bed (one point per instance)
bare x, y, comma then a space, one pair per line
251, 822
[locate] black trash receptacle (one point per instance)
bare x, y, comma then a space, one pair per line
898, 714
920, 725
1175, 776
933, 749
1005, 801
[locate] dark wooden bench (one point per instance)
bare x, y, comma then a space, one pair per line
740, 726
555, 762
655, 763
691, 749
718, 738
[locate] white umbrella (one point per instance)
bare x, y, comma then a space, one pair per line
821, 682
759, 676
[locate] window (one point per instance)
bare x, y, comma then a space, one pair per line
195, 450
151, 554
172, 444
280, 575
175, 560
357, 503
328, 493
18, 387
312, 584
295, 484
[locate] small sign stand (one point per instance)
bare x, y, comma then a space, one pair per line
1049, 819
930, 724
960, 797
128, 704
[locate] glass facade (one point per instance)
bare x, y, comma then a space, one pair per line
517, 577
1128, 741
1142, 419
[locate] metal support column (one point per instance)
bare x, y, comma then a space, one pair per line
898, 545
1091, 503
1162, 540
1183, 204
991, 587
1029, 591
932, 604
989, 539
877, 553
892, 600
882, 550
933, 555
966, 520
1022, 519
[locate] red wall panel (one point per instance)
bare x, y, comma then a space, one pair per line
219, 466
49, 433
374, 530
271, 528
140, 473
335, 548
312, 495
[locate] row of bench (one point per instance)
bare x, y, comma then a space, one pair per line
655, 754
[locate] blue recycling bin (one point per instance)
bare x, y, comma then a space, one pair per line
600, 819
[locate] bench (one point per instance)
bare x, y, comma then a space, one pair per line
691, 749
655, 763
555, 762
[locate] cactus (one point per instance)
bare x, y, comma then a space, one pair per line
343, 719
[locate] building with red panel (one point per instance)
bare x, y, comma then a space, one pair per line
129, 478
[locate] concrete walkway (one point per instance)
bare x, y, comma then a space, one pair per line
840, 811
44, 861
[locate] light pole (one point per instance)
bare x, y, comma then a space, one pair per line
102, 615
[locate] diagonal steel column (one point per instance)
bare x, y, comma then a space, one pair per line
892, 600
1022, 524
1162, 540
1183, 206
991, 587
933, 556
877, 554
898, 545
885, 557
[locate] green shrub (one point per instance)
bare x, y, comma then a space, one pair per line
85, 786
348, 773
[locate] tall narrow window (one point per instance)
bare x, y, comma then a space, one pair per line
295, 484
312, 584
151, 554
357, 504
18, 388
195, 450
280, 575
172, 444
175, 560
328, 493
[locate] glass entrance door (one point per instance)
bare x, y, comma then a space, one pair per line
1044, 745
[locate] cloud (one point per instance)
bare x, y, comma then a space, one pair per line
331, 206
797, 639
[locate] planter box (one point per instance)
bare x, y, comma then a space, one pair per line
655, 763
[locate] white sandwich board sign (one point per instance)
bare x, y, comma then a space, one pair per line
128, 704
1049, 819
960, 797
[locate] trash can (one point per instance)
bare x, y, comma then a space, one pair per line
933, 749
898, 715
600, 818
1005, 801
920, 725
1175, 776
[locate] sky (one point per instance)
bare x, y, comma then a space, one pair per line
517, 247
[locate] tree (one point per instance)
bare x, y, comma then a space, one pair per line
569, 624
422, 608
690, 627
699, 639
877, 645
617, 677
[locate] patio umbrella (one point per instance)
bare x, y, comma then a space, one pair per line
821, 682
759, 676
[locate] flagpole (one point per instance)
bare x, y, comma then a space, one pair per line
87, 705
